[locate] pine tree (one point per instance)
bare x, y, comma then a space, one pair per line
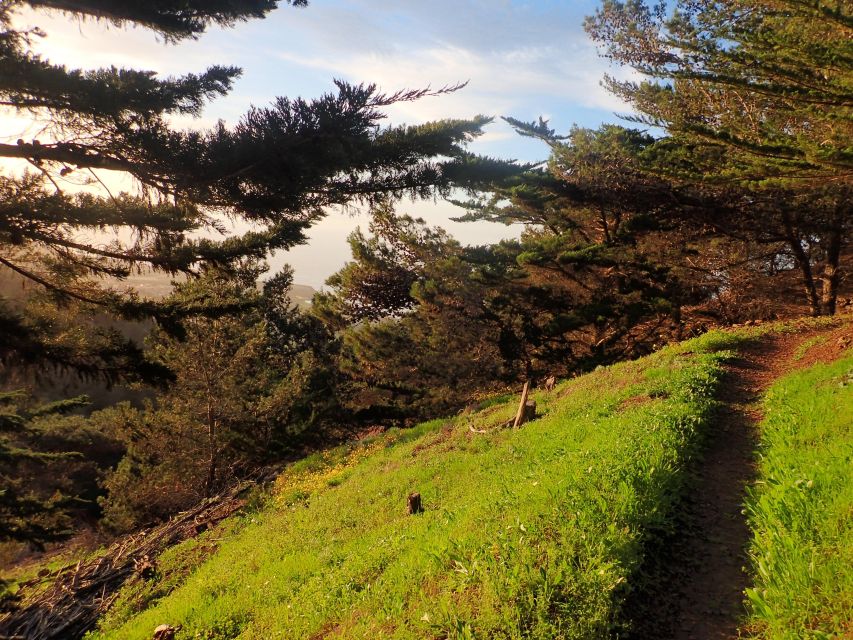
408, 317
278, 169
600, 230
27, 513
377, 282
173, 19
768, 79
460, 320
248, 386
758, 93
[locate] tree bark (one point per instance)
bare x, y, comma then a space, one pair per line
529, 412
65, 153
803, 261
832, 270
210, 482
413, 504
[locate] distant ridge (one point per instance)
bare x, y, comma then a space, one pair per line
302, 294
158, 286
155, 285
149, 285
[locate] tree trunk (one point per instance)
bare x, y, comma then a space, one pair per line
831, 271
210, 483
414, 504
529, 412
803, 261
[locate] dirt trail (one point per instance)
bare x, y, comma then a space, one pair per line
698, 572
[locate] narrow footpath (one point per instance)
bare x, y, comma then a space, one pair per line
699, 572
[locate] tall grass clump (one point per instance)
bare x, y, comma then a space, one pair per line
801, 511
531, 533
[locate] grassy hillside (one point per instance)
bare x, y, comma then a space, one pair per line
801, 511
534, 533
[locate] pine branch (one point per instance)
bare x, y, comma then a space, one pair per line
65, 153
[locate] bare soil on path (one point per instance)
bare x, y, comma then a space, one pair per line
697, 574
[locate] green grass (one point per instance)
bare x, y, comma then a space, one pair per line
801, 512
534, 533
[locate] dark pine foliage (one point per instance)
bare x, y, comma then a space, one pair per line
276, 172
754, 93
30, 510
278, 168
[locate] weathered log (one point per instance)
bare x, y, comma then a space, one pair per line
414, 504
82, 592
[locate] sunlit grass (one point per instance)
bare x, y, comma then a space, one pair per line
534, 533
801, 513
804, 348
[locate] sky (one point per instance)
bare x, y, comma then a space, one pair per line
523, 59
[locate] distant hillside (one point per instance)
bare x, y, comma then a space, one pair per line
149, 285
155, 285
51, 385
14, 287
302, 294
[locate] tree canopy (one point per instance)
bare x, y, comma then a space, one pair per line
731, 189
174, 19
276, 170
67, 229
768, 79
31, 510
755, 94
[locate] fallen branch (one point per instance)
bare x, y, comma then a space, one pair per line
83, 592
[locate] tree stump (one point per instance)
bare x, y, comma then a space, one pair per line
414, 504
528, 413
522, 407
